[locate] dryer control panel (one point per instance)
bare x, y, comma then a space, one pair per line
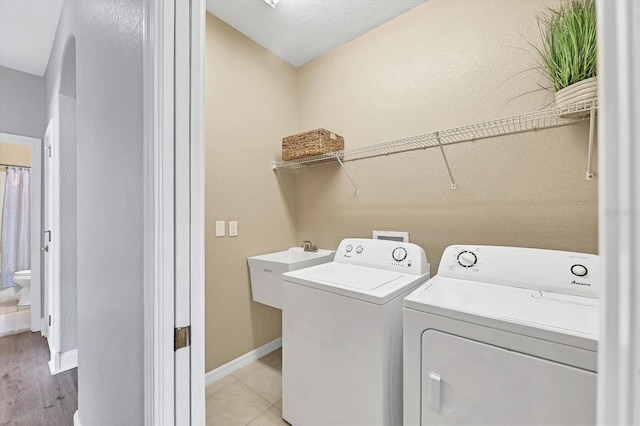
545, 270
388, 255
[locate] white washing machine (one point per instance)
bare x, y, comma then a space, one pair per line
342, 334
503, 335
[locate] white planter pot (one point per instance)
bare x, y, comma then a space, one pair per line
582, 91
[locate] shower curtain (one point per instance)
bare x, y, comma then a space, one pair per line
15, 241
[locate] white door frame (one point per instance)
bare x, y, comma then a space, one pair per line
197, 187
619, 211
164, 73
36, 223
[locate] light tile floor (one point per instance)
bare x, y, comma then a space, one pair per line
250, 396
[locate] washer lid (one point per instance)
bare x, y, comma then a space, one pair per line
566, 319
359, 282
356, 277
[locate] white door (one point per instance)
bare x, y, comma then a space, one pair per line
48, 248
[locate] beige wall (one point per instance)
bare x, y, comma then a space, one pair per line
15, 154
250, 104
444, 64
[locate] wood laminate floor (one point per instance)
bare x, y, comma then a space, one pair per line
29, 394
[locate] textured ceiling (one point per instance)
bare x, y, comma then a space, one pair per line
27, 30
295, 30
301, 30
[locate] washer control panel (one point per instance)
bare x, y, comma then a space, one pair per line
549, 270
389, 255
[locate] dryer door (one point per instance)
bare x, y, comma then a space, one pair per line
468, 382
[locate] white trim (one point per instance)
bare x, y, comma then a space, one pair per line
198, 404
149, 104
243, 360
36, 223
182, 204
158, 59
159, 218
63, 361
76, 419
619, 212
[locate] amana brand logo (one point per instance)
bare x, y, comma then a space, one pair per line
577, 283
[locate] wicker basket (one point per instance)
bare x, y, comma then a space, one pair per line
308, 144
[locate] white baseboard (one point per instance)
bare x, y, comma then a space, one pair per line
63, 361
241, 361
76, 419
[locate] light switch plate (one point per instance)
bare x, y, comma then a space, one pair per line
220, 228
233, 228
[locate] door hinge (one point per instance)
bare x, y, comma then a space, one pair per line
49, 320
182, 337
49, 150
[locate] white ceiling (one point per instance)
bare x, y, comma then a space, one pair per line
27, 30
296, 30
301, 30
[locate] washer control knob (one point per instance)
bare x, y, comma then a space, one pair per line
399, 254
359, 249
467, 259
579, 270
349, 248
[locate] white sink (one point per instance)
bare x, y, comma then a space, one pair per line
266, 271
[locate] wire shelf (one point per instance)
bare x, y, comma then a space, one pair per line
547, 118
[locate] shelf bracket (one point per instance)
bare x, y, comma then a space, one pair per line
592, 127
348, 175
446, 163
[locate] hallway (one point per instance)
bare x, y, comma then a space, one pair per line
29, 394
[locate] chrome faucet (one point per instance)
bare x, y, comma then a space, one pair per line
308, 246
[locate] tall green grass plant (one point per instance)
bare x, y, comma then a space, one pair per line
569, 43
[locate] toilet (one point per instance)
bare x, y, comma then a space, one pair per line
23, 279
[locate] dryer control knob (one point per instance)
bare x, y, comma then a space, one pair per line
579, 270
467, 259
399, 254
349, 248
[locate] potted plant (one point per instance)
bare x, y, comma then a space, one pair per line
568, 55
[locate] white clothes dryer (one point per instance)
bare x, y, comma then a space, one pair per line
342, 334
503, 335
